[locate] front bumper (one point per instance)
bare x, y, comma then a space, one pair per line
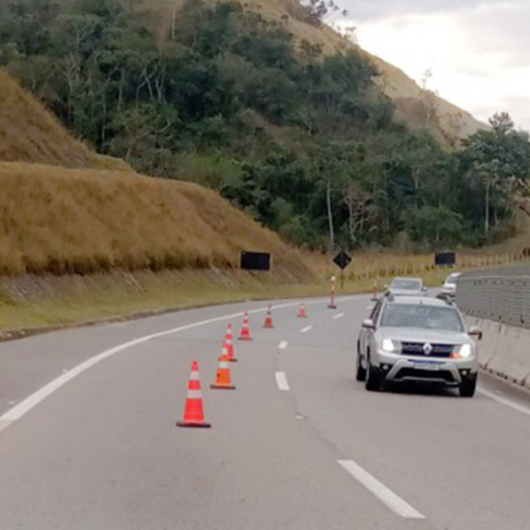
402, 368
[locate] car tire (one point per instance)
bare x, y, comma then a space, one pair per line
360, 372
373, 378
468, 386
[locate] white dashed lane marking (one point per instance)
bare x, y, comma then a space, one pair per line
281, 381
340, 315
305, 330
384, 494
283, 345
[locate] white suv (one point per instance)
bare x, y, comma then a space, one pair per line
417, 339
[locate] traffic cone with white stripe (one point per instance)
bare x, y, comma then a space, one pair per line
224, 380
302, 313
245, 332
268, 320
194, 411
229, 341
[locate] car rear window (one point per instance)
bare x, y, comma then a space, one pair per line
406, 284
422, 316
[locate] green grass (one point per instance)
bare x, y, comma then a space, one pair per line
108, 297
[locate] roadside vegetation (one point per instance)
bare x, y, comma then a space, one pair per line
306, 144
80, 221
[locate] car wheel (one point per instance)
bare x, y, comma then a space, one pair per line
373, 378
468, 386
360, 374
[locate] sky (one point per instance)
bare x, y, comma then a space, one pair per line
477, 51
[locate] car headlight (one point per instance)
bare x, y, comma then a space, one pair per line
391, 346
465, 351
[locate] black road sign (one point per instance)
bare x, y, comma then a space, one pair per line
445, 258
342, 259
256, 261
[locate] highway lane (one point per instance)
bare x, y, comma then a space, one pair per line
103, 451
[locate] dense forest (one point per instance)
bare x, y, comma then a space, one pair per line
306, 144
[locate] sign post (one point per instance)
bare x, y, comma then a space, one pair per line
342, 260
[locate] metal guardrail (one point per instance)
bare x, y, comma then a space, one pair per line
501, 298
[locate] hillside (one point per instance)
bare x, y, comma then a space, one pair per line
451, 121
305, 142
84, 221
62, 212
30, 133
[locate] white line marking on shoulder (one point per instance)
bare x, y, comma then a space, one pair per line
281, 381
384, 494
506, 402
340, 315
305, 330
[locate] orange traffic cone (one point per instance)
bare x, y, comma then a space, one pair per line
302, 313
268, 320
194, 412
229, 341
245, 332
223, 381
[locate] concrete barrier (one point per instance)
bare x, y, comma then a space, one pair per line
504, 350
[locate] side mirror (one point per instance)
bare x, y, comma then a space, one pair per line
424, 289
369, 324
475, 332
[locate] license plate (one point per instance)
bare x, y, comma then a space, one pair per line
433, 367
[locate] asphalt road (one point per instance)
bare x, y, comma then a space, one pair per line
298, 445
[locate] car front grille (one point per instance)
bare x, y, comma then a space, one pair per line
416, 348
412, 373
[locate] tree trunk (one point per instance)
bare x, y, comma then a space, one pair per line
330, 217
487, 212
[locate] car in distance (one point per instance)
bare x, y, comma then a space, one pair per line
449, 286
406, 287
417, 339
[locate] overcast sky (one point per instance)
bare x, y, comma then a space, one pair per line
478, 51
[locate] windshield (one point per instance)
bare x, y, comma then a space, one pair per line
422, 316
406, 284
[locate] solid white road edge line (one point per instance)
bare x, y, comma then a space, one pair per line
283, 345
385, 495
505, 402
39, 396
305, 330
281, 381
340, 315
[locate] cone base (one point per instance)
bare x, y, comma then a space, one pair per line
202, 425
233, 360
332, 306
302, 316
223, 387
244, 338
270, 326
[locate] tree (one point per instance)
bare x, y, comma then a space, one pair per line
500, 162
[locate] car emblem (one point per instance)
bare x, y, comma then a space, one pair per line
427, 349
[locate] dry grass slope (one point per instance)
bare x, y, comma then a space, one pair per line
81, 221
29, 133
